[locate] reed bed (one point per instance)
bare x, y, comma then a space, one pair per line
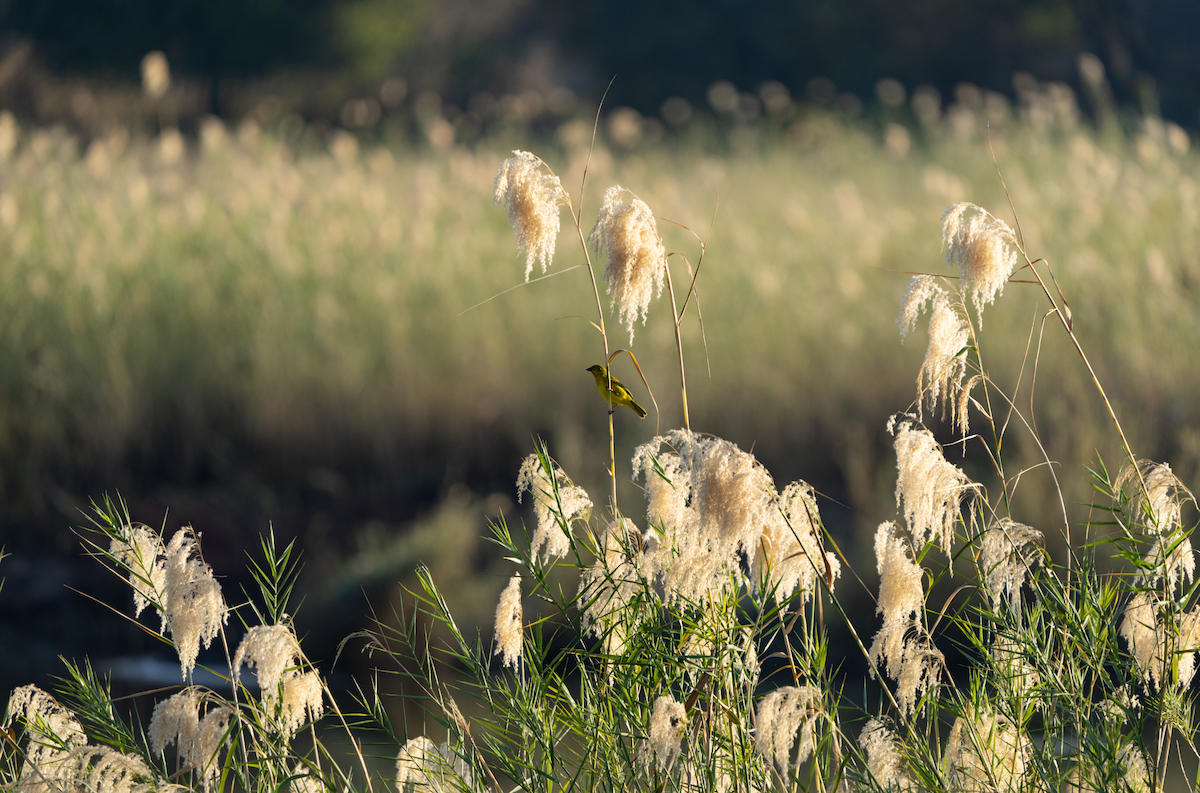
238, 302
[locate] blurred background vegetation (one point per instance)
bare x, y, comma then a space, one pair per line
318, 53
242, 282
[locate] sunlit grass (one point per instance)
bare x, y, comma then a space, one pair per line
198, 307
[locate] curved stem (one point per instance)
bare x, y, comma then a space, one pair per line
1065, 318
679, 347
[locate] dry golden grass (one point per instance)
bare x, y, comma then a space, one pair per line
206, 306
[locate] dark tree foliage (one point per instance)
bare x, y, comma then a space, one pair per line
200, 37
656, 49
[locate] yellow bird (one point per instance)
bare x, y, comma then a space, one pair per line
618, 394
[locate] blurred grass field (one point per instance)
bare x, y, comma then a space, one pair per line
243, 311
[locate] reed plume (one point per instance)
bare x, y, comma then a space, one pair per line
533, 196
509, 623
626, 230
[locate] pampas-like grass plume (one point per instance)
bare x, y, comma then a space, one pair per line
197, 740
414, 757
1007, 554
556, 504
945, 365
884, 761
1089, 777
57, 756
303, 700
1171, 557
930, 488
270, 649
903, 641
94, 769
791, 552
668, 722
1133, 762
510, 623
709, 503
1140, 629
141, 551
423, 767
983, 248
275, 653
1158, 646
780, 715
195, 608
626, 230
901, 596
533, 195
1158, 509
986, 753
53, 730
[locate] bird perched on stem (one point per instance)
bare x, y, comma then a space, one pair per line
616, 394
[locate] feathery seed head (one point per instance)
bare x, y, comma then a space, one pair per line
921, 666
715, 503
902, 640
987, 753
1133, 762
712, 501
1008, 552
176, 720
901, 595
510, 623
733, 491
780, 714
141, 551
303, 700
53, 730
557, 503
921, 290
214, 731
1159, 508
1141, 631
791, 550
1121, 704
271, 650
1161, 647
884, 761
96, 769
1187, 642
411, 763
626, 230
43, 715
198, 740
1171, 557
930, 488
945, 363
983, 248
195, 608
668, 722
533, 195
422, 767
303, 781
668, 495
